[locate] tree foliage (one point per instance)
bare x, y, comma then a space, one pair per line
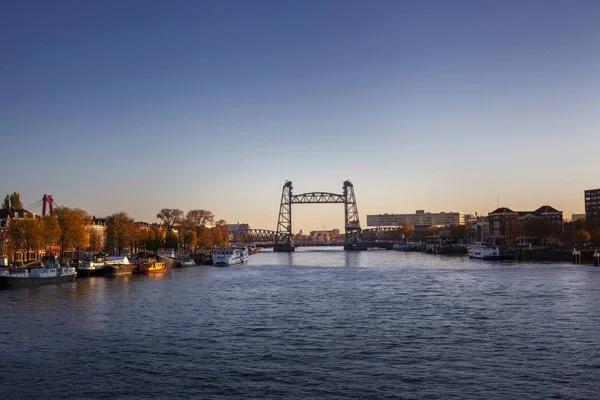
199, 218
51, 232
15, 201
94, 241
205, 239
6, 203
579, 223
121, 232
73, 223
190, 239
220, 233
581, 235
538, 227
169, 217
407, 230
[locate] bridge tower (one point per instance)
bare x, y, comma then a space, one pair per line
47, 200
283, 237
353, 237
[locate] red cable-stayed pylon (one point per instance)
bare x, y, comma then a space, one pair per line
47, 199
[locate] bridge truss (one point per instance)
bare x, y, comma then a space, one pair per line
284, 239
257, 236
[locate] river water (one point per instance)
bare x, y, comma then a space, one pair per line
318, 323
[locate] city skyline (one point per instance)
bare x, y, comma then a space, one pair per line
457, 106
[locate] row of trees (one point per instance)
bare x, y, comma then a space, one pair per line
192, 228
68, 229
575, 232
71, 228
584, 231
407, 231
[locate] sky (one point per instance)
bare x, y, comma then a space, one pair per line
441, 105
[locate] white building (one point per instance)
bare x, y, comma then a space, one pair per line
420, 217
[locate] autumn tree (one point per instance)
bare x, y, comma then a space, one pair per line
459, 231
121, 232
432, 231
199, 218
15, 237
205, 238
580, 235
50, 231
25, 234
31, 228
220, 233
73, 223
405, 229
169, 217
538, 227
15, 201
94, 241
190, 239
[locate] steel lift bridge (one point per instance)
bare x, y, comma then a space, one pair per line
284, 240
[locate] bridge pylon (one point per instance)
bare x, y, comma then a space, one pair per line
284, 241
353, 237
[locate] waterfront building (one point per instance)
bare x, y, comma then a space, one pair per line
6, 218
324, 236
231, 228
98, 227
592, 204
575, 217
507, 225
504, 225
420, 217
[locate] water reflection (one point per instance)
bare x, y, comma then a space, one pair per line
316, 323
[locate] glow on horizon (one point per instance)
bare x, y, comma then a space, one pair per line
444, 106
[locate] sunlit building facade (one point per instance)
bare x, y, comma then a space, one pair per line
420, 217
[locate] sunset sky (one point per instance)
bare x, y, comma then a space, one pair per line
439, 105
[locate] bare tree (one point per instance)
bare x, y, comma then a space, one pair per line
169, 217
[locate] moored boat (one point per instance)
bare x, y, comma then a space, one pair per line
483, 251
117, 265
91, 267
51, 272
149, 266
167, 256
230, 255
184, 260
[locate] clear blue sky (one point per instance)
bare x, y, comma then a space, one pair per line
443, 105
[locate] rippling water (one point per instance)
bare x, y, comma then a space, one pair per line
313, 324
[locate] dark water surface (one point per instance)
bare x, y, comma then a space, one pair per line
314, 324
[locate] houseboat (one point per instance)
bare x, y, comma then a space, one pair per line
51, 272
117, 265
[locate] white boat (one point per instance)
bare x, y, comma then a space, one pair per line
184, 260
52, 272
230, 255
167, 256
91, 267
483, 251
